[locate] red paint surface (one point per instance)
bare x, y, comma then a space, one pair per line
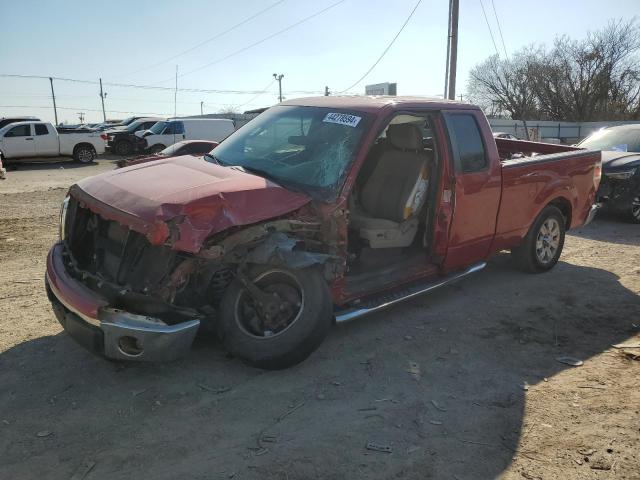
200, 198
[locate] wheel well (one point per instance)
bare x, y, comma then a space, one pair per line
75, 149
564, 206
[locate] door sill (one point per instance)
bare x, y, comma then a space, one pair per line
385, 300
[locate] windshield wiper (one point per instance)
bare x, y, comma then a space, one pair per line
260, 173
214, 159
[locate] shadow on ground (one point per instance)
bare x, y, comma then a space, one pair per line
439, 379
610, 228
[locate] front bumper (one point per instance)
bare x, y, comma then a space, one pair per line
116, 334
592, 213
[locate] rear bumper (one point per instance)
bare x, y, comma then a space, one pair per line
116, 334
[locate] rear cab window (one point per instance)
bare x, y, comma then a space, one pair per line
468, 148
41, 129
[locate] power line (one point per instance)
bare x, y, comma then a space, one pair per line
386, 49
143, 87
489, 27
259, 94
254, 44
210, 39
506, 56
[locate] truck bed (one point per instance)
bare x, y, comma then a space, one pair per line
560, 174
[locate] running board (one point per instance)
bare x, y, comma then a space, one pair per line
387, 300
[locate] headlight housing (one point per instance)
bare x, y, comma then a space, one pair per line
622, 175
63, 217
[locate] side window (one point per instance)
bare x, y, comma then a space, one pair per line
174, 128
19, 131
466, 142
147, 125
41, 129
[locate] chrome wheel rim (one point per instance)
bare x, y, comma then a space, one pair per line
635, 207
288, 291
85, 155
548, 240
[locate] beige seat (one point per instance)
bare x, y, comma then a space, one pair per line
386, 212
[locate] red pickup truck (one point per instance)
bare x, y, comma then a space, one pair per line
319, 210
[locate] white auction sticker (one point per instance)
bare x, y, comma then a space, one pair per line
342, 119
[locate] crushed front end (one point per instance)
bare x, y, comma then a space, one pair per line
118, 295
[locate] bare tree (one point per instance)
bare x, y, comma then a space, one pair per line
597, 78
503, 86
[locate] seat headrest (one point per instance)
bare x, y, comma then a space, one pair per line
405, 136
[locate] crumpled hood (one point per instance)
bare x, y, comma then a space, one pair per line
614, 160
184, 199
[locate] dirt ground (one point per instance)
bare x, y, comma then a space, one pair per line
462, 384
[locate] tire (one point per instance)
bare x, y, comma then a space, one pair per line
310, 317
158, 147
633, 213
84, 154
123, 148
542, 246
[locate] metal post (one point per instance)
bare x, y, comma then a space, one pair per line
53, 95
446, 72
175, 96
453, 60
102, 95
279, 79
201, 103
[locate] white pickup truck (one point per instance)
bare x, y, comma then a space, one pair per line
32, 139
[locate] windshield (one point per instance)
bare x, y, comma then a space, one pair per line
127, 120
133, 126
304, 148
158, 127
170, 150
614, 139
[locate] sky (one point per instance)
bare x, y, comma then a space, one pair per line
133, 42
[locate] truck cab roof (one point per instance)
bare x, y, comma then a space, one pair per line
378, 103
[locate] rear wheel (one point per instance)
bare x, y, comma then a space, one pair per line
84, 154
123, 148
283, 323
542, 246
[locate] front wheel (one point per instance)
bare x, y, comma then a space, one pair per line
84, 154
542, 246
633, 214
157, 148
281, 324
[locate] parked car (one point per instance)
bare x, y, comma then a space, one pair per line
620, 187
163, 134
186, 147
123, 141
508, 136
318, 210
4, 121
32, 139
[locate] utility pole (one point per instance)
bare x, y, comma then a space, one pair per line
201, 103
279, 79
460, 97
102, 97
446, 71
53, 95
326, 91
453, 58
81, 117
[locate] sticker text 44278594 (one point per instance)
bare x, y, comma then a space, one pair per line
342, 119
